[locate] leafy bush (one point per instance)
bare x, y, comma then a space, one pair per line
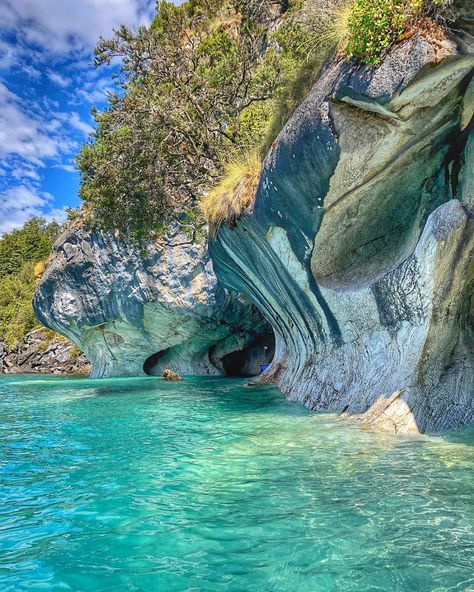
32, 242
16, 313
375, 24
186, 80
22, 253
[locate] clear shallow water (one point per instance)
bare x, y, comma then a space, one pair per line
139, 485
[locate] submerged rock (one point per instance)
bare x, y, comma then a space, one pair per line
359, 247
135, 312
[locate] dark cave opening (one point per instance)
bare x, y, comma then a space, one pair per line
247, 361
151, 362
259, 350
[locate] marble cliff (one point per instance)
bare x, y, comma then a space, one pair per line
356, 256
134, 313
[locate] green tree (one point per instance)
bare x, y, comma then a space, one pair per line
20, 251
31, 243
194, 92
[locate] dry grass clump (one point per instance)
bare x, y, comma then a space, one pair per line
329, 22
332, 23
39, 270
235, 192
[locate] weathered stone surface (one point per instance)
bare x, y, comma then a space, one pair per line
39, 353
359, 248
132, 312
170, 376
389, 414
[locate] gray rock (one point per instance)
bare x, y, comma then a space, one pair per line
40, 352
133, 312
359, 247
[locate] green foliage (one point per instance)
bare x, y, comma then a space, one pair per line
197, 89
191, 224
20, 252
375, 24
16, 313
32, 242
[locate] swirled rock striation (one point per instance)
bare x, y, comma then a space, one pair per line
359, 247
134, 311
355, 264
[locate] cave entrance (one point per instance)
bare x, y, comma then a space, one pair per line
248, 361
151, 362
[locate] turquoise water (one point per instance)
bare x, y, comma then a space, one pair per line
140, 485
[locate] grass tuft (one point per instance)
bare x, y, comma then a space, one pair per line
235, 192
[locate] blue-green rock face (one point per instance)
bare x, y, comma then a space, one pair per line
134, 312
357, 252
360, 241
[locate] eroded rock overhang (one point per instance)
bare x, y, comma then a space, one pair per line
136, 311
359, 247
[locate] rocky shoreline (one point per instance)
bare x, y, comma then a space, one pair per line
42, 353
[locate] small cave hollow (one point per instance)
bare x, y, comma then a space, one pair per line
248, 361
151, 362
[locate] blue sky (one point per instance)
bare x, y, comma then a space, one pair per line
47, 88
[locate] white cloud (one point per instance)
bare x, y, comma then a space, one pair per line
54, 39
93, 91
8, 56
58, 79
31, 71
35, 138
76, 122
70, 168
21, 170
22, 134
19, 203
57, 214
64, 26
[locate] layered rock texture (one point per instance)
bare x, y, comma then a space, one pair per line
359, 247
358, 253
135, 312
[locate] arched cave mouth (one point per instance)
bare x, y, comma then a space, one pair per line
247, 361
150, 363
259, 350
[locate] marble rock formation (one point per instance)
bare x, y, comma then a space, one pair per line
359, 246
135, 312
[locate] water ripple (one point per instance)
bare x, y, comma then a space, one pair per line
139, 485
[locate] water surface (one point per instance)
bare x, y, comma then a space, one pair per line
140, 485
